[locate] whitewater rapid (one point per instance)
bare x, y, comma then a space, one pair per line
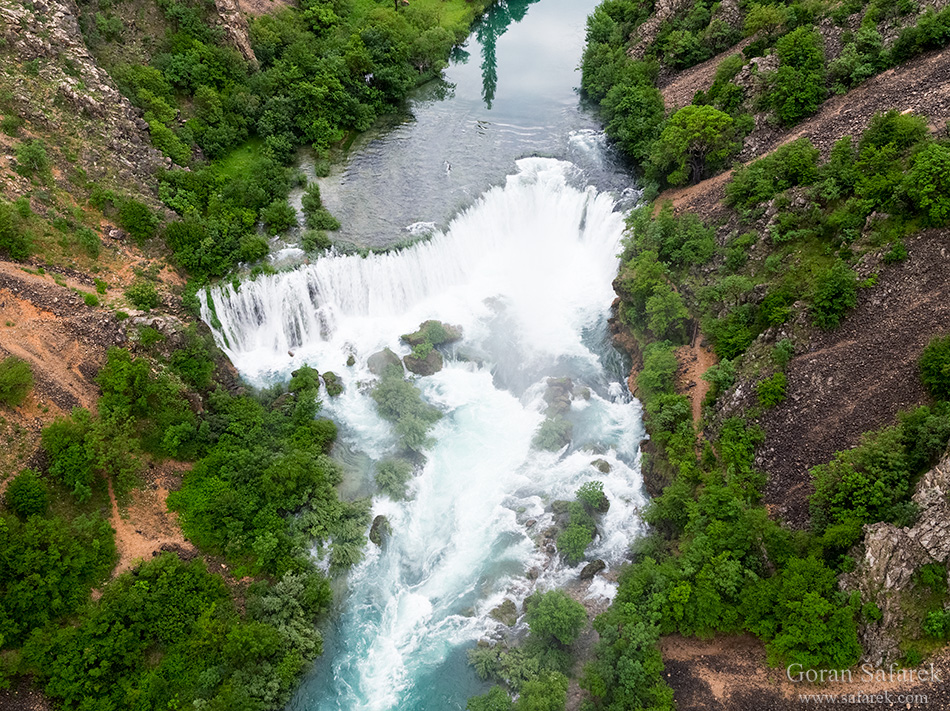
526, 272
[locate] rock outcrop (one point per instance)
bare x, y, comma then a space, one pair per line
433, 332
380, 530
431, 363
889, 558
84, 103
381, 360
234, 26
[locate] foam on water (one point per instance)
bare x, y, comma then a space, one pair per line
526, 271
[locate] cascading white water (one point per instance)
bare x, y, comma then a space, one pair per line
526, 271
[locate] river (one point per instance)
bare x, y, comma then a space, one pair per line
523, 204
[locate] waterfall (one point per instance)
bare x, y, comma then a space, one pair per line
526, 272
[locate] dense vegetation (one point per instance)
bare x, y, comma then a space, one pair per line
232, 126
168, 632
687, 145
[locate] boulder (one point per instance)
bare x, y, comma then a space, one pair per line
432, 363
506, 613
582, 393
601, 465
333, 384
558, 396
380, 361
592, 568
433, 332
380, 530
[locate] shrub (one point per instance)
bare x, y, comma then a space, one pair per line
771, 391
392, 477
803, 617
315, 241
15, 242
800, 81
928, 182
592, 495
90, 300
32, 160
935, 367
278, 216
633, 114
71, 460
835, 292
143, 295
555, 617
27, 495
137, 219
795, 163
321, 219
16, 381
88, 242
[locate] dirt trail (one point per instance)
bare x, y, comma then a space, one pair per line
148, 527
694, 360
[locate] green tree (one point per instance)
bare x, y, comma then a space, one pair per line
555, 617
666, 313
928, 182
800, 81
696, 141
16, 380
935, 367
835, 292
633, 113
27, 495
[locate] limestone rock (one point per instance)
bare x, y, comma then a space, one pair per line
380, 361
432, 363
506, 613
380, 530
592, 568
889, 558
601, 465
333, 383
433, 332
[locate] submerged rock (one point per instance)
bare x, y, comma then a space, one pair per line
432, 363
378, 362
601, 465
380, 530
433, 332
558, 396
506, 613
333, 383
592, 568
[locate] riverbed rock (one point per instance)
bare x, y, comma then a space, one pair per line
432, 363
601, 465
433, 332
381, 360
333, 383
380, 530
888, 561
560, 506
558, 396
592, 568
506, 613
582, 393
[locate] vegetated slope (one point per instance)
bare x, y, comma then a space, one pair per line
815, 277
859, 376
